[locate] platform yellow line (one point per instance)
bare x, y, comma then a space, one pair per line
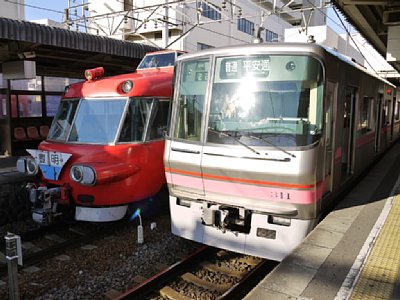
381, 270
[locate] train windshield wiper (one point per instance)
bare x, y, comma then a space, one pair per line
234, 138
272, 144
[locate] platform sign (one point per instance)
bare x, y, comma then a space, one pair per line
50, 162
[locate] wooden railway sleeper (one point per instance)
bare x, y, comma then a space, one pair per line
189, 277
170, 293
224, 270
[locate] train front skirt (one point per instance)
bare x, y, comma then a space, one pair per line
263, 239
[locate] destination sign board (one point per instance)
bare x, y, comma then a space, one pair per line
238, 67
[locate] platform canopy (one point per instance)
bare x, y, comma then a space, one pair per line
379, 22
66, 53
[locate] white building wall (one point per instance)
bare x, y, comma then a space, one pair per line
49, 22
145, 25
13, 10
324, 35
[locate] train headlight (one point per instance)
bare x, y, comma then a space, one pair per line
127, 86
279, 220
31, 166
76, 173
83, 174
27, 166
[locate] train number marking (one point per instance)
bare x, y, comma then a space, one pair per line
280, 195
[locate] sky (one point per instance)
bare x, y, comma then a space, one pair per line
45, 9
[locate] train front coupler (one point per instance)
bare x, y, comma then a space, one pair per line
226, 218
47, 202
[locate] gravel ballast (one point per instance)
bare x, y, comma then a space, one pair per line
115, 262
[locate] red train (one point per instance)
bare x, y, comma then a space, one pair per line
105, 146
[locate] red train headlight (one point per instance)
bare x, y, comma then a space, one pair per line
127, 86
83, 174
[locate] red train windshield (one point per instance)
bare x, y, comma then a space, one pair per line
107, 121
92, 121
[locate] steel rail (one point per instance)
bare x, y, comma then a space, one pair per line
155, 282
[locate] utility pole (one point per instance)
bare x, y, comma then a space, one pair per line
165, 30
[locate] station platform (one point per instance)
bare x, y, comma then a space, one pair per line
354, 252
8, 170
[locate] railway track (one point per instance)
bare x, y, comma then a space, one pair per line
46, 242
208, 273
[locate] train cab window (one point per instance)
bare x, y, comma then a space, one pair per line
190, 101
157, 60
135, 120
266, 99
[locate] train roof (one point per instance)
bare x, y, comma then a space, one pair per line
154, 79
146, 84
287, 48
248, 48
165, 51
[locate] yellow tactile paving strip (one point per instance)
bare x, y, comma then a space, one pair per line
381, 270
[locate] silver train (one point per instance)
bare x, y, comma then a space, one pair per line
264, 136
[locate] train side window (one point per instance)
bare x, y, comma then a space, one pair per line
388, 112
366, 116
159, 118
135, 120
397, 111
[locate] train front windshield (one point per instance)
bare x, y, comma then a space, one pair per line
262, 100
106, 121
92, 121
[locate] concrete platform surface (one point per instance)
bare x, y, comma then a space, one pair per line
333, 262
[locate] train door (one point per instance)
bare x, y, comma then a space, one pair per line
378, 118
329, 134
184, 150
392, 118
388, 121
348, 132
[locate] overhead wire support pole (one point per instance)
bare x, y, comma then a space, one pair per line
165, 32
